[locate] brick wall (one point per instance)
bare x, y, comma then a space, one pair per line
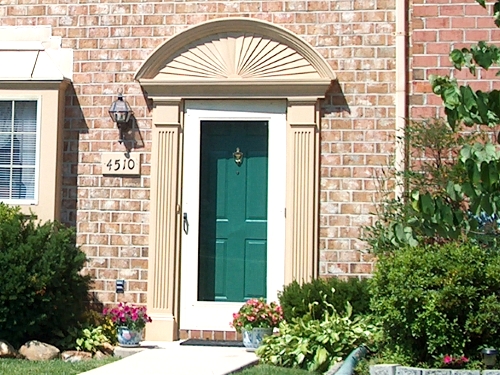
357, 135
111, 39
437, 27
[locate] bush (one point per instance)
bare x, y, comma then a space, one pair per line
437, 300
316, 345
43, 294
295, 299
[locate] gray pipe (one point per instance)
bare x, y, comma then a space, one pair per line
351, 361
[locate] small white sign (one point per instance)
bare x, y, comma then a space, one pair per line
121, 163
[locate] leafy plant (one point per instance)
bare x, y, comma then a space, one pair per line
437, 299
299, 299
463, 194
316, 345
256, 313
462, 104
451, 190
109, 330
91, 340
67, 339
43, 292
93, 318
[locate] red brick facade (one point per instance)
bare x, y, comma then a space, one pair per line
437, 27
111, 39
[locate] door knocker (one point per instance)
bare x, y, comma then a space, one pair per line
238, 156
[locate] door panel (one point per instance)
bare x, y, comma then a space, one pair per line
233, 211
219, 270
255, 274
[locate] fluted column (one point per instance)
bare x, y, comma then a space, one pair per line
164, 249
301, 257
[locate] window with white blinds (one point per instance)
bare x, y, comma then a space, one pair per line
18, 150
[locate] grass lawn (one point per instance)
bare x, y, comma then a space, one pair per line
273, 370
55, 367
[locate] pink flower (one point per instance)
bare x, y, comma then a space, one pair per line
257, 313
450, 361
131, 316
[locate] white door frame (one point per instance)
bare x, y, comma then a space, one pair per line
203, 315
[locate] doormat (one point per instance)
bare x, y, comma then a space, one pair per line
202, 342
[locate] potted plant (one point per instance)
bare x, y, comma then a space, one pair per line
256, 319
130, 321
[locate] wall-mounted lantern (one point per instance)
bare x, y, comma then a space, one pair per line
489, 356
120, 112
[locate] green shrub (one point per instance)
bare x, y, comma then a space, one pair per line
295, 299
43, 294
436, 299
316, 345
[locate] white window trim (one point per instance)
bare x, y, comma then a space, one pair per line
38, 99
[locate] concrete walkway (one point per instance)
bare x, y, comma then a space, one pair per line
170, 358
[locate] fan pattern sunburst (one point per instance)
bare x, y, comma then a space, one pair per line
233, 56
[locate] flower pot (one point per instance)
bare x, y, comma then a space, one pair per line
252, 339
128, 338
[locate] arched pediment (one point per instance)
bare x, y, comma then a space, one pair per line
241, 55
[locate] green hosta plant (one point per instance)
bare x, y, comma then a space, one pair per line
94, 318
91, 339
316, 345
296, 298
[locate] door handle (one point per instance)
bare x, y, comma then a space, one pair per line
185, 223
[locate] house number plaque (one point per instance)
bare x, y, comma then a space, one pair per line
120, 163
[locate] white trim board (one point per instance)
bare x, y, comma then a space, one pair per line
217, 315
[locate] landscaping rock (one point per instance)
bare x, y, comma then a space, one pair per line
75, 356
403, 370
393, 369
39, 351
7, 350
471, 372
100, 355
383, 369
107, 348
432, 371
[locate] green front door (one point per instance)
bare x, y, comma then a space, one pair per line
233, 210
